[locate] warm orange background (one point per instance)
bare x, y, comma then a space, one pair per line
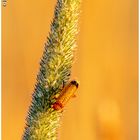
106, 66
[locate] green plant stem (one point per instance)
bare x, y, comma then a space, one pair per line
55, 69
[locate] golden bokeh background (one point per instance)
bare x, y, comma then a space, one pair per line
106, 66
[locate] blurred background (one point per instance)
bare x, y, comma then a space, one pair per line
106, 66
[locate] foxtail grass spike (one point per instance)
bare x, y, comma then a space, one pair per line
55, 70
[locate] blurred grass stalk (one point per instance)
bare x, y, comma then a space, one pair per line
55, 69
109, 124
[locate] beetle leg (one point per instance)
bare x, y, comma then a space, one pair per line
74, 95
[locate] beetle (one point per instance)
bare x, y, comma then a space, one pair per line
66, 94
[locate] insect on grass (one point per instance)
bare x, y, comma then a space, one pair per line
66, 94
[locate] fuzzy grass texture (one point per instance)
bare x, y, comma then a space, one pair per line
55, 69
